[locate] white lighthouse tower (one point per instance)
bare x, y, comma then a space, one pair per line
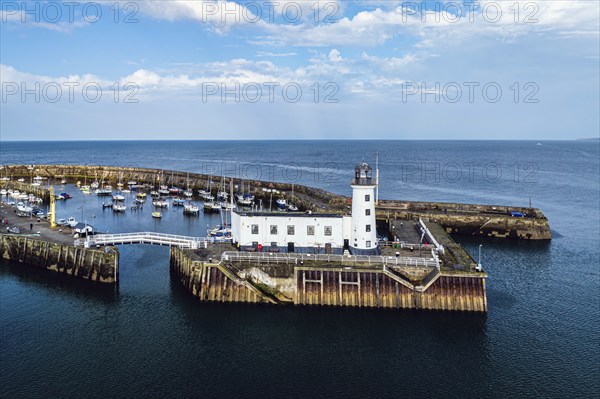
363, 238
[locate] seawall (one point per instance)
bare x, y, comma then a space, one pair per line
328, 284
99, 265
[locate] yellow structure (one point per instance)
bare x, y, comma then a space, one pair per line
52, 208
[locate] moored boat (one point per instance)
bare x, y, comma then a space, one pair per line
191, 209
160, 203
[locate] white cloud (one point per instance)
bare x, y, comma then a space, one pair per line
335, 56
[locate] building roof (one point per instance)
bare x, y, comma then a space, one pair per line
290, 214
82, 226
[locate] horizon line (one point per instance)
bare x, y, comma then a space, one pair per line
306, 139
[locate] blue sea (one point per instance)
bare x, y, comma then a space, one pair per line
149, 337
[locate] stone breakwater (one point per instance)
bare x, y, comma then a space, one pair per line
99, 265
456, 218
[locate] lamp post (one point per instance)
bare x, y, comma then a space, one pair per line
479, 260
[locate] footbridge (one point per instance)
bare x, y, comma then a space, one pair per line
147, 237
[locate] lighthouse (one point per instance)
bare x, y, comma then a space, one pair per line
363, 238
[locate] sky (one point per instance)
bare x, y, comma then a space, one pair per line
315, 69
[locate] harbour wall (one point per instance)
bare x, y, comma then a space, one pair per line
99, 265
456, 218
326, 284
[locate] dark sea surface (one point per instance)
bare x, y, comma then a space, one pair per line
541, 337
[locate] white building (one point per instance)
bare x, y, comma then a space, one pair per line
314, 233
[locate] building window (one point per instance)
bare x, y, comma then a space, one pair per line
310, 230
368, 244
368, 212
368, 228
367, 198
254, 229
274, 244
328, 230
273, 229
291, 230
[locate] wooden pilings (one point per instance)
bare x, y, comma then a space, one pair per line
333, 286
89, 264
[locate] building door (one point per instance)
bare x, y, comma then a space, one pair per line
290, 247
328, 249
346, 244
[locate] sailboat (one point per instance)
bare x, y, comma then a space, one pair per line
291, 207
188, 193
205, 194
191, 209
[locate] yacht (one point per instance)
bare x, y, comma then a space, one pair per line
191, 209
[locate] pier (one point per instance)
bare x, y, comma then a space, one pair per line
463, 219
148, 237
420, 267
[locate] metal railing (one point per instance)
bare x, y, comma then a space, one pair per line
287, 258
144, 238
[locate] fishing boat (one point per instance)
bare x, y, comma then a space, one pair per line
154, 194
94, 185
21, 180
118, 197
160, 203
104, 206
63, 181
66, 195
141, 195
119, 208
3, 192
126, 190
191, 209
85, 189
156, 215
178, 202
140, 201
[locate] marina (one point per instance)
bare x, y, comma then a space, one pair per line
280, 255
